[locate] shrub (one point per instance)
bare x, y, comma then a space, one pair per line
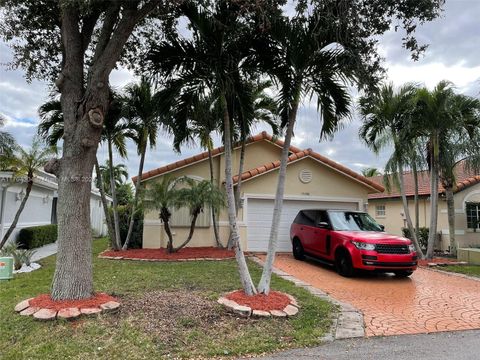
36, 236
422, 238
20, 256
137, 232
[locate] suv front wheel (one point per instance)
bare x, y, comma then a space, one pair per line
298, 252
343, 264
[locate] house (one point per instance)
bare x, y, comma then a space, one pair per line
41, 206
387, 209
313, 181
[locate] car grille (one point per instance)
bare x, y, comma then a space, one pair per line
392, 249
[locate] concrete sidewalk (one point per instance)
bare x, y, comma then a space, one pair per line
44, 251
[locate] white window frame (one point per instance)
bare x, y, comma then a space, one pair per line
380, 214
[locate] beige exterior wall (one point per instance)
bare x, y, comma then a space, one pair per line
326, 184
394, 221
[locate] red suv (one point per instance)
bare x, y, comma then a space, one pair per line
351, 240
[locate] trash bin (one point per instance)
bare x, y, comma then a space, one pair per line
6, 268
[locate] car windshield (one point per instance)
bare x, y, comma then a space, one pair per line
353, 221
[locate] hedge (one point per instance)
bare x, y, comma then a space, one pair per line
36, 236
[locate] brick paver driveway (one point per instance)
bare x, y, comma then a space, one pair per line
429, 301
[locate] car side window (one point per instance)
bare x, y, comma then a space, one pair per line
306, 217
322, 217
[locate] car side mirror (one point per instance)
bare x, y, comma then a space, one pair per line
382, 227
323, 225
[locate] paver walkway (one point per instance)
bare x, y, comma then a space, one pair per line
429, 301
44, 251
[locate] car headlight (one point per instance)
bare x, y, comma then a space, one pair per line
411, 248
363, 246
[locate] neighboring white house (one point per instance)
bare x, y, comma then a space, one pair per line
41, 207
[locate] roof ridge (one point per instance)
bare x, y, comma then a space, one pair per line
203, 155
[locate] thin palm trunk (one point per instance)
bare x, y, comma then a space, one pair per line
214, 214
406, 210
264, 284
113, 189
415, 200
108, 220
137, 194
245, 277
239, 185
190, 234
19, 211
451, 218
432, 232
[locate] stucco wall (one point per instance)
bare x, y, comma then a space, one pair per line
326, 184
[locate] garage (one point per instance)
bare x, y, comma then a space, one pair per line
259, 220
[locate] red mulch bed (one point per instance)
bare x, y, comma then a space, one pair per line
273, 301
436, 260
182, 254
44, 301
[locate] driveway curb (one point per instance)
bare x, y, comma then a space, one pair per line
349, 321
451, 273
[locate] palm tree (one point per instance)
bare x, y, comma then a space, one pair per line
7, 142
162, 197
442, 116
457, 139
301, 63
386, 118
196, 196
190, 118
371, 172
120, 175
210, 62
141, 109
24, 163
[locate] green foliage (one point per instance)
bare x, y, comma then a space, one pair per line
124, 212
20, 256
124, 194
422, 238
36, 236
199, 194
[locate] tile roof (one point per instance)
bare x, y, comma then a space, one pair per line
204, 155
310, 153
464, 176
296, 154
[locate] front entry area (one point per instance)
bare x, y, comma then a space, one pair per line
259, 220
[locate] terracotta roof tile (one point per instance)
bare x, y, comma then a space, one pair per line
465, 178
198, 157
301, 154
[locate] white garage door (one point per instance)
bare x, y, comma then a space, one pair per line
259, 220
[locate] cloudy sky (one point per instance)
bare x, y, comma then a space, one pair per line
453, 54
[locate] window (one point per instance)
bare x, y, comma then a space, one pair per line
182, 218
380, 211
473, 215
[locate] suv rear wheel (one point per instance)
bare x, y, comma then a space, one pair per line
298, 252
343, 264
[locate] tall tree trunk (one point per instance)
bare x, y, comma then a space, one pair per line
113, 190
108, 220
190, 233
165, 217
415, 200
239, 185
19, 211
406, 210
264, 284
432, 232
451, 218
245, 277
137, 194
214, 215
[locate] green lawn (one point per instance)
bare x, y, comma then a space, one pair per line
472, 270
156, 323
